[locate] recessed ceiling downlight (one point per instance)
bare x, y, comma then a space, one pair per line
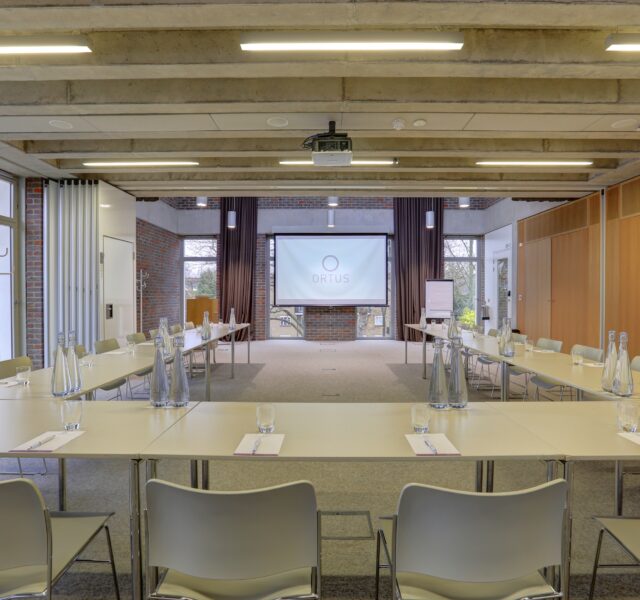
419, 123
625, 124
60, 124
278, 122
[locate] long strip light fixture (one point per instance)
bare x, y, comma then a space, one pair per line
351, 41
43, 45
623, 42
142, 163
534, 163
357, 163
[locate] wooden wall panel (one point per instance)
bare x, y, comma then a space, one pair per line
567, 217
592, 334
521, 304
537, 288
612, 261
569, 288
629, 281
630, 198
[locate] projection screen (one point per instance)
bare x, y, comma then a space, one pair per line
331, 270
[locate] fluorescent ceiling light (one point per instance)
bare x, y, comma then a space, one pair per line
362, 163
351, 41
202, 201
534, 163
333, 201
623, 42
143, 163
464, 202
430, 218
41, 45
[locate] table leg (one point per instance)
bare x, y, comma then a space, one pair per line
134, 527
490, 471
565, 567
249, 346
205, 474
62, 484
406, 347
479, 473
579, 395
152, 572
194, 474
207, 376
552, 473
619, 486
505, 381
424, 355
233, 354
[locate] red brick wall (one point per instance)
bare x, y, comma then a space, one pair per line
34, 270
330, 323
160, 255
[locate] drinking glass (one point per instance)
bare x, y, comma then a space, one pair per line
23, 375
71, 413
266, 418
528, 346
131, 346
420, 417
577, 358
628, 412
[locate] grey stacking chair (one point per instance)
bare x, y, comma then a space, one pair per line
449, 544
189, 325
153, 333
626, 533
8, 367
174, 329
592, 354
138, 338
486, 363
544, 382
520, 338
102, 346
255, 544
635, 363
43, 546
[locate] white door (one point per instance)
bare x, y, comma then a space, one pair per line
119, 298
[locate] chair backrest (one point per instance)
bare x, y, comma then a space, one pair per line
635, 363
472, 537
177, 328
547, 344
8, 367
594, 354
106, 345
189, 325
81, 351
136, 338
23, 521
153, 333
493, 332
519, 338
232, 535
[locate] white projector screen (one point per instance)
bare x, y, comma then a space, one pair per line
331, 270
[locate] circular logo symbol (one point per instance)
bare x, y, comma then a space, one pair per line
330, 262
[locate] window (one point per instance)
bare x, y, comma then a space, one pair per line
377, 321
284, 321
199, 268
461, 263
7, 266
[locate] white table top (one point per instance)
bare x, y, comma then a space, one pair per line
347, 431
117, 429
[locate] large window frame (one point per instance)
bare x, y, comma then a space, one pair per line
477, 260
13, 222
194, 258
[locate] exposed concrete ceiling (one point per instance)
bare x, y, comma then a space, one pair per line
167, 80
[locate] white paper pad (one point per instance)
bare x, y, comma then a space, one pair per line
438, 440
632, 437
593, 364
61, 438
146, 344
269, 444
8, 383
542, 351
118, 352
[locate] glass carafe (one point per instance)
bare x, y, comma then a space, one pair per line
610, 363
453, 332
75, 377
159, 386
438, 385
206, 326
179, 391
60, 379
232, 320
508, 347
623, 379
423, 318
458, 393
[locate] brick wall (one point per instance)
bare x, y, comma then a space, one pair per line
34, 270
330, 323
260, 291
160, 255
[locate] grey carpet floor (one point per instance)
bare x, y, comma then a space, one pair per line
362, 371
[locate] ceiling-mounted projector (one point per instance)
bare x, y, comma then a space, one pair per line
329, 149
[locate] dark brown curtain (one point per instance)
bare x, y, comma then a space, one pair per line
236, 260
418, 257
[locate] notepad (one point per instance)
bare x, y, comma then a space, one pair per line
43, 443
632, 437
260, 444
542, 351
117, 352
8, 383
431, 444
598, 365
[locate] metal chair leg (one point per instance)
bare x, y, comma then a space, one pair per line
377, 596
594, 574
112, 563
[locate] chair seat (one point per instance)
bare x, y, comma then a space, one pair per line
70, 533
144, 372
113, 385
626, 531
485, 360
545, 383
291, 583
517, 371
414, 586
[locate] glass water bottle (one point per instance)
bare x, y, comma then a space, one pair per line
610, 363
232, 320
159, 386
508, 347
60, 379
438, 385
453, 332
623, 379
458, 393
423, 318
75, 377
179, 391
206, 326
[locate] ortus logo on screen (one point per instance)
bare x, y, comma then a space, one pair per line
330, 271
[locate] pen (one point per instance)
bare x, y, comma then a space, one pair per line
42, 442
256, 445
430, 446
